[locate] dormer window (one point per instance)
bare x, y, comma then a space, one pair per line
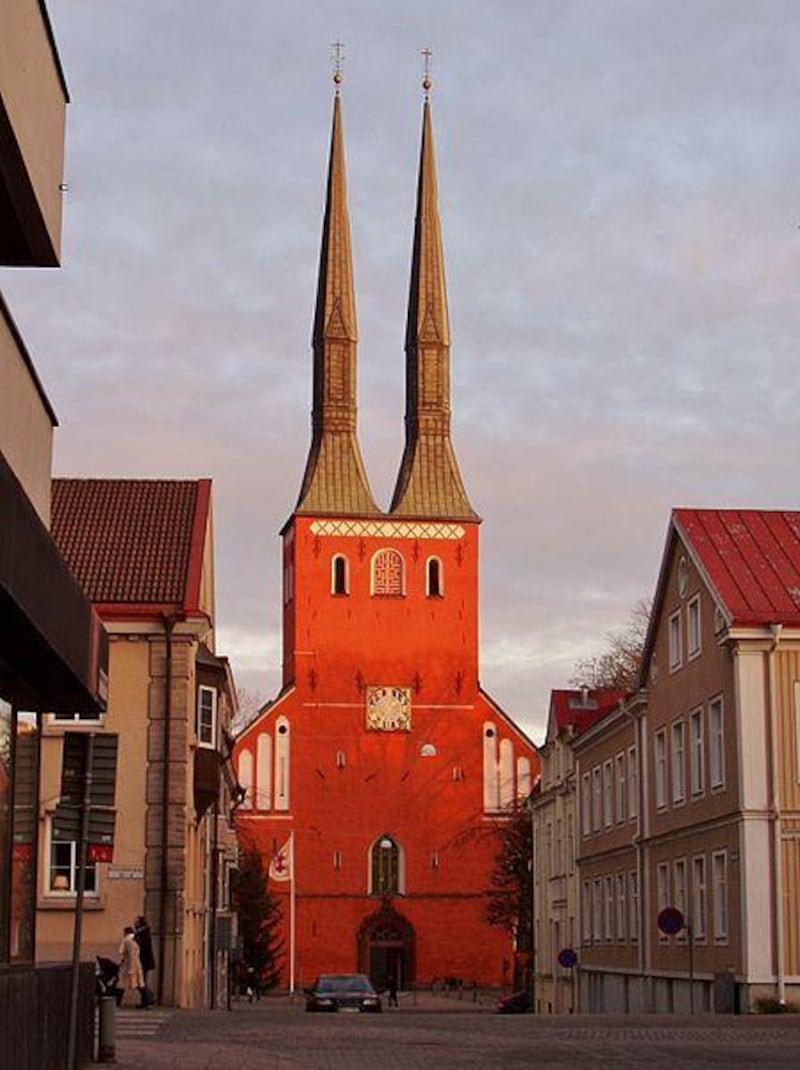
434, 578
206, 717
340, 575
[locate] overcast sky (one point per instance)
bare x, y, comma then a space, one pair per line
620, 198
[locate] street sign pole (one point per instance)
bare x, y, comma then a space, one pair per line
72, 1039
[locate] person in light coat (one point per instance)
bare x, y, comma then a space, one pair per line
131, 977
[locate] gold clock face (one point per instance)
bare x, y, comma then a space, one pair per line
389, 709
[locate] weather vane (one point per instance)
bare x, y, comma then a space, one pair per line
337, 62
427, 55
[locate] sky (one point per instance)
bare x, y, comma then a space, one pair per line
620, 204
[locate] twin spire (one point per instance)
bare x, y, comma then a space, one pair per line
429, 483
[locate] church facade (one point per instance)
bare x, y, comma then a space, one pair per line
377, 779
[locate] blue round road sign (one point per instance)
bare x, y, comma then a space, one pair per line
670, 920
567, 958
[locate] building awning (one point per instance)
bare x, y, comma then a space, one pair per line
53, 647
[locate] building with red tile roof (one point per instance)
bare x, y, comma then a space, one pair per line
143, 551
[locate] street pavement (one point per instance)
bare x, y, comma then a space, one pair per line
434, 1031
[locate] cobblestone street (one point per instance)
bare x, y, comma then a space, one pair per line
442, 1033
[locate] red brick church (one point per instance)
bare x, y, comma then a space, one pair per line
376, 777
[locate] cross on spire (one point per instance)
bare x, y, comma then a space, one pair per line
337, 62
427, 56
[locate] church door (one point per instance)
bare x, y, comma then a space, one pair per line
386, 948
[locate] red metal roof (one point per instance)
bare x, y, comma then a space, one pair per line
751, 557
133, 542
581, 709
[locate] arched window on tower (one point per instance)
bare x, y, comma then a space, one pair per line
340, 575
385, 876
434, 578
388, 573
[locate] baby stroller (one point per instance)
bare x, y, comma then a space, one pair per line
106, 975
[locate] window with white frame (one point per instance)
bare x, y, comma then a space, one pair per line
693, 638
679, 886
434, 578
678, 762
696, 753
633, 783
716, 743
63, 870
699, 900
340, 575
586, 804
597, 910
608, 794
661, 768
206, 716
619, 762
597, 798
608, 907
621, 907
719, 885
559, 847
633, 905
76, 719
675, 641
662, 885
570, 844
586, 912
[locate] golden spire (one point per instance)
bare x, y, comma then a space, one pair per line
429, 483
335, 480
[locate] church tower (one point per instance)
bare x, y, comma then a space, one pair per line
378, 775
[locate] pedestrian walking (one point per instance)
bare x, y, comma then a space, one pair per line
392, 986
131, 978
141, 933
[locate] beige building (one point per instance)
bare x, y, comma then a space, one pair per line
716, 836
555, 826
143, 551
52, 646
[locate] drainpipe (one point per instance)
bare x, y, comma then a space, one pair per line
212, 931
169, 624
776, 630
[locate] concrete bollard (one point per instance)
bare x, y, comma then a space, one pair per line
107, 1030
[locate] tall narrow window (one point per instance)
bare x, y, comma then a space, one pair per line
586, 913
661, 768
388, 573
586, 805
282, 749
434, 578
679, 885
608, 907
621, 912
716, 743
206, 717
620, 795
678, 763
245, 776
597, 798
633, 783
608, 796
597, 910
675, 641
662, 885
693, 641
340, 575
263, 799
719, 878
697, 756
699, 903
633, 899
385, 867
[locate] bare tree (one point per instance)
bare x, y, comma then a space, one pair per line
250, 703
617, 666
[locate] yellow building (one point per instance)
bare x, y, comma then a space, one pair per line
143, 552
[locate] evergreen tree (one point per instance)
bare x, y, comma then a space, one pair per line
259, 916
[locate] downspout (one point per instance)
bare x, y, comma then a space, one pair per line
169, 624
212, 930
776, 630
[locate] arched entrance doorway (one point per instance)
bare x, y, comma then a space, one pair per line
386, 947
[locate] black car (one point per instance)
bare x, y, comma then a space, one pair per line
343, 991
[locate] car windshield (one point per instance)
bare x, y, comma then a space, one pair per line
345, 983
